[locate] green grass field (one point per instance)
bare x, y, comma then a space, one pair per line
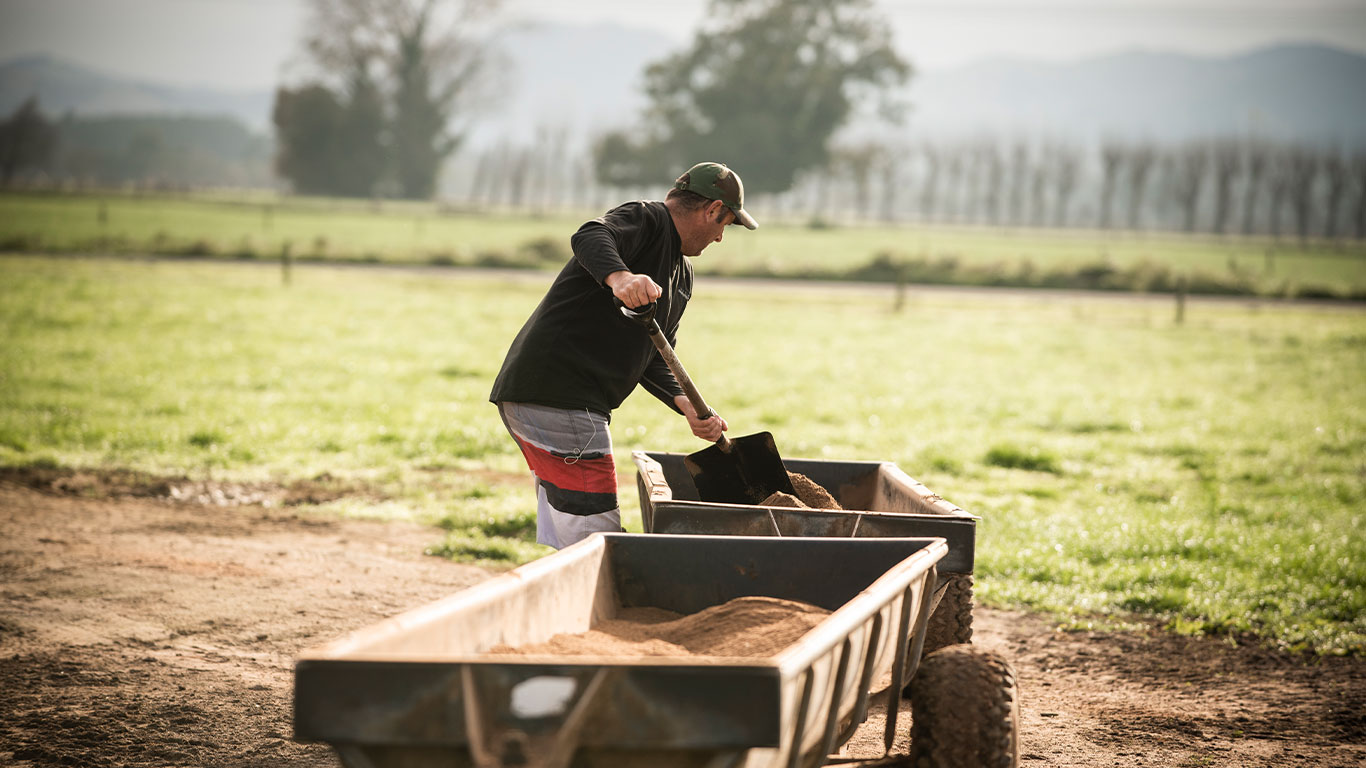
1211, 474
336, 230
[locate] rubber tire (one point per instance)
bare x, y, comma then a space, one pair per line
951, 622
965, 711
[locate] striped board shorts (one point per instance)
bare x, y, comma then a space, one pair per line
570, 453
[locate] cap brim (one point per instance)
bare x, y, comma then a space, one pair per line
742, 216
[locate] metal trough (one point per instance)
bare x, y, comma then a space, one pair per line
420, 690
879, 501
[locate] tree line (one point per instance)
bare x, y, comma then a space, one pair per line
1228, 185
145, 151
773, 83
1223, 185
389, 87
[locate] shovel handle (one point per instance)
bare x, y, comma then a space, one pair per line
645, 316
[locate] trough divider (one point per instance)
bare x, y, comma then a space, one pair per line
567, 738
865, 680
481, 733
476, 732
922, 622
794, 754
832, 719
898, 670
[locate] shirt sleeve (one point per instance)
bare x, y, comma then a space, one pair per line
609, 243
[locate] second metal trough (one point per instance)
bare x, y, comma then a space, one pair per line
422, 690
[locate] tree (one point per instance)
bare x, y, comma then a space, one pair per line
1019, 176
404, 67
858, 161
1302, 167
1187, 173
306, 123
1258, 155
424, 100
1278, 186
360, 138
977, 160
1335, 174
1111, 158
27, 140
1066, 170
1038, 187
995, 181
1142, 157
929, 188
768, 81
327, 146
891, 181
1358, 173
1227, 159
953, 172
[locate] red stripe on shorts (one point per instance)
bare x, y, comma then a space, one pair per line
597, 475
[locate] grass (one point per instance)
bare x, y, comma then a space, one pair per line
1209, 474
262, 227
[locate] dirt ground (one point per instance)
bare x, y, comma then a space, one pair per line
151, 624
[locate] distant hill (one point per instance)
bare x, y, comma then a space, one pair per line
62, 86
585, 79
592, 76
1295, 92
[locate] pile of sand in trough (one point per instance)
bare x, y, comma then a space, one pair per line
809, 494
746, 627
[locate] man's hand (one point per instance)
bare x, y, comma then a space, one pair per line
635, 291
707, 429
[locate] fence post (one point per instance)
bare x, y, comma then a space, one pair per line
102, 217
286, 262
1181, 300
900, 287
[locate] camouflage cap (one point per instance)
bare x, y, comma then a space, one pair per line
715, 181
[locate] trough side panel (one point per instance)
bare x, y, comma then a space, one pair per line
899, 492
688, 574
527, 605
640, 707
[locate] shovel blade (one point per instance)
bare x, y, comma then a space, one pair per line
748, 473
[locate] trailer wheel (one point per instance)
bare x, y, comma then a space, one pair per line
951, 622
965, 711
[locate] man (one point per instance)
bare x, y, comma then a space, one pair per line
578, 357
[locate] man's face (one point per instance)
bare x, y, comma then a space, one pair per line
712, 221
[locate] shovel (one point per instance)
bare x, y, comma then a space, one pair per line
745, 470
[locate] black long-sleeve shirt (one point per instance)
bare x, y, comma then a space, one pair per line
577, 350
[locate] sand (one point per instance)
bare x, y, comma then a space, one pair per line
780, 499
808, 491
746, 627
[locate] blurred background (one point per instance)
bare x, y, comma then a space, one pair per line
1221, 116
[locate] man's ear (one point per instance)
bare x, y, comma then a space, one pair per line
719, 212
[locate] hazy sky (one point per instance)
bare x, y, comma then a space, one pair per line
246, 44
